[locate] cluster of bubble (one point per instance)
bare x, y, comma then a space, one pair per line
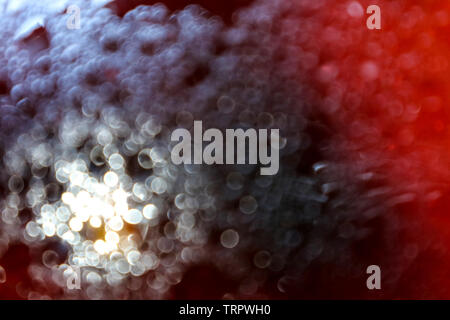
114, 224
85, 132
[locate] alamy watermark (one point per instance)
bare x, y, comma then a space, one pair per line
354, 8
74, 20
73, 281
374, 20
374, 280
251, 146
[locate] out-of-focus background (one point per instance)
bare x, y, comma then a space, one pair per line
90, 92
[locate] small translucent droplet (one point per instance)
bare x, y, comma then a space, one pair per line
235, 181
263, 181
151, 127
144, 159
49, 229
76, 224
116, 161
115, 223
369, 71
123, 266
62, 175
159, 185
15, 184
185, 119
53, 191
112, 237
63, 214
95, 222
165, 245
159, 156
138, 269
225, 104
111, 179
229, 238
62, 229
133, 216
100, 246
139, 191
248, 205
150, 211
104, 137
265, 120
355, 10
133, 257
150, 260
32, 229
94, 278
97, 156
179, 200
283, 284
187, 220
262, 259
50, 258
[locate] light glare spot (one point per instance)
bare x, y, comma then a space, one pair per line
133, 216
76, 224
111, 179
150, 211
